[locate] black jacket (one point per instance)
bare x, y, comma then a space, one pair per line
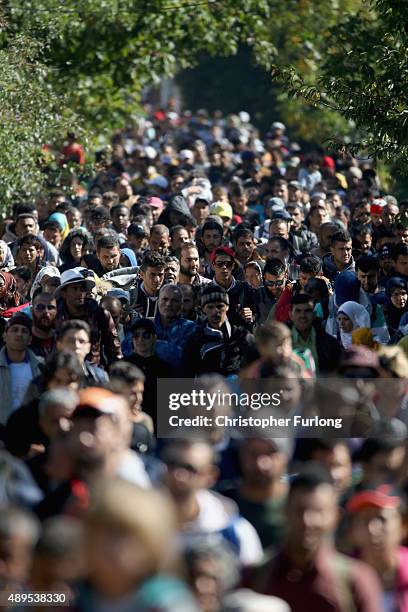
222, 352
241, 295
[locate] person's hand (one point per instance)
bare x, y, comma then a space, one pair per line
246, 314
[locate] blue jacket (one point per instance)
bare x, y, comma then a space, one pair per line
171, 340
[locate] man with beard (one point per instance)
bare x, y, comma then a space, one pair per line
211, 237
44, 311
107, 256
189, 264
73, 303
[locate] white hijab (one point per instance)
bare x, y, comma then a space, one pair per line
359, 317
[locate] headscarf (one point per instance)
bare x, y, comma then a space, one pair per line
8, 261
394, 314
46, 271
9, 296
61, 219
130, 254
364, 337
359, 317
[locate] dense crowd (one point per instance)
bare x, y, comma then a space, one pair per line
199, 250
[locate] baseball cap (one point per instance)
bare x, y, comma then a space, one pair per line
295, 184
94, 401
384, 251
155, 202
384, 496
222, 209
281, 214
20, 319
222, 250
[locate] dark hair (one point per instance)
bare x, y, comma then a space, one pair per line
306, 447
274, 266
242, 231
300, 298
211, 225
73, 324
313, 476
107, 242
367, 263
135, 229
152, 260
175, 229
283, 243
339, 237
60, 360
374, 446
23, 208
30, 240
52, 225
317, 284
118, 207
99, 212
125, 372
87, 243
159, 227
56, 193
399, 249
310, 265
25, 216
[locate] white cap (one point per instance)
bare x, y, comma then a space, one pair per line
277, 125
186, 154
76, 275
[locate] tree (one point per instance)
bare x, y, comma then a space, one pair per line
31, 115
363, 78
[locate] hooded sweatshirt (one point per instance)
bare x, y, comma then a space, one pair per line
177, 204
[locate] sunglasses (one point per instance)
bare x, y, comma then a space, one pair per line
145, 335
42, 307
277, 283
224, 264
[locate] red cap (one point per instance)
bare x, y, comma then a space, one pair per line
222, 250
328, 162
156, 202
376, 209
381, 497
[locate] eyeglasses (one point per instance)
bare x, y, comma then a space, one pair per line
145, 335
42, 307
224, 264
277, 283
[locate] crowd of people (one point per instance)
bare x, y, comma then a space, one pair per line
200, 250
